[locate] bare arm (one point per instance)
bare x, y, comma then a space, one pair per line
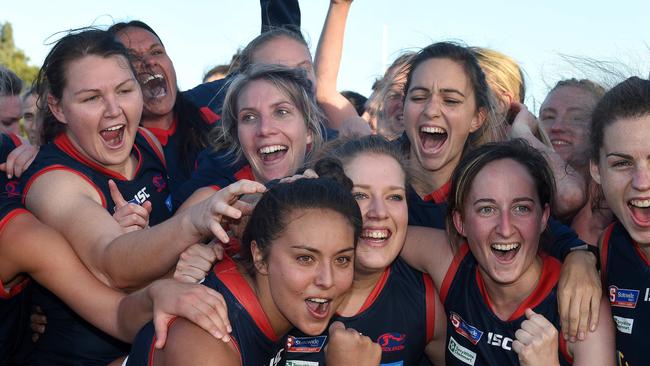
131, 260
22, 246
189, 345
428, 251
599, 347
339, 111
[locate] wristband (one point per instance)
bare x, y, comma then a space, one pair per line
590, 248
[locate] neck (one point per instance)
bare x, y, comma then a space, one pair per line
506, 298
426, 181
363, 284
260, 285
164, 121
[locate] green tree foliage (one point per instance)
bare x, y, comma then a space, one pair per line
13, 58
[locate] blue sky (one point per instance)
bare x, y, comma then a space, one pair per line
199, 34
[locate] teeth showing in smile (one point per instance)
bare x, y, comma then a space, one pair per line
151, 77
505, 247
318, 300
271, 149
559, 142
640, 203
114, 128
428, 129
375, 234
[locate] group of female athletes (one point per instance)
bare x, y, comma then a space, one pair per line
257, 221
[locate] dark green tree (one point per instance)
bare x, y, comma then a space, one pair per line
14, 58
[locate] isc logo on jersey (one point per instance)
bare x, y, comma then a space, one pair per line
472, 333
624, 298
140, 197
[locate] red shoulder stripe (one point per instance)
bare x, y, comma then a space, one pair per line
604, 249
376, 291
451, 271
16, 140
62, 167
147, 136
430, 299
208, 115
228, 273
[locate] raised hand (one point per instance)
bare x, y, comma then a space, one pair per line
130, 216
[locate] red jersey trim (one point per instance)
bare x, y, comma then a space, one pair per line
548, 279
227, 272
440, 195
64, 143
430, 300
16, 289
604, 249
376, 291
208, 115
163, 134
564, 350
451, 271
16, 140
62, 167
147, 136
640, 252
245, 173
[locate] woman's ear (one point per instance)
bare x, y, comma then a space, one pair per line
478, 120
458, 222
55, 107
258, 259
594, 170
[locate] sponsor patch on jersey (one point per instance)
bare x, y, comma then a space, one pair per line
461, 352
305, 344
301, 363
622, 297
471, 333
398, 363
624, 325
390, 342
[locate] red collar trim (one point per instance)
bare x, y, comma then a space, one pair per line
208, 115
16, 140
440, 195
63, 142
379, 286
245, 173
547, 281
163, 134
226, 270
641, 253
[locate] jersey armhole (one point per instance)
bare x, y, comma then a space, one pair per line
604, 249
451, 271
149, 137
430, 302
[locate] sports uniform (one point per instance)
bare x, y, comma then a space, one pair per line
12, 298
475, 335
252, 333
399, 314
68, 339
626, 277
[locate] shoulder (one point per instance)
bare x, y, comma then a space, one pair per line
187, 344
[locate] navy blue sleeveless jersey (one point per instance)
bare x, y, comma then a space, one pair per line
399, 314
251, 334
69, 339
626, 277
475, 335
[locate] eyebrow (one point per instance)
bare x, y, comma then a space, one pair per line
366, 186
516, 199
619, 155
96, 90
444, 90
314, 250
